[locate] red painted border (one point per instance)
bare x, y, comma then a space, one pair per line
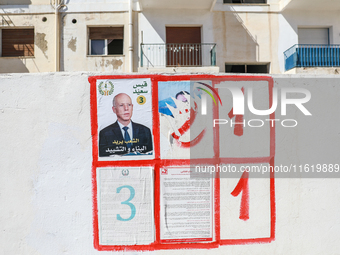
158, 163
190, 240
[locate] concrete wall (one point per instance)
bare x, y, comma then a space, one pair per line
45, 177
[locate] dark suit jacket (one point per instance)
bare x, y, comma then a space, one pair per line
111, 140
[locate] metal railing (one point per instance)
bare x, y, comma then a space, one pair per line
178, 54
312, 55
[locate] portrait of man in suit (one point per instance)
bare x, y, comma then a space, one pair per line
124, 136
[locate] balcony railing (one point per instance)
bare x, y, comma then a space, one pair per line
178, 54
312, 55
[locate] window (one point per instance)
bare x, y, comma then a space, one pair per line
313, 35
106, 40
247, 68
244, 1
17, 42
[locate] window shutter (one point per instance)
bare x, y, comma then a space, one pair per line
97, 33
183, 34
313, 35
17, 42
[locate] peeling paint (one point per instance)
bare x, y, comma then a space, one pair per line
72, 44
41, 42
101, 63
89, 18
114, 62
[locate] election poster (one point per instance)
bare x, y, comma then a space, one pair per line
125, 205
186, 206
124, 119
182, 127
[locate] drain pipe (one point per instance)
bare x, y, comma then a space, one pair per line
57, 5
130, 37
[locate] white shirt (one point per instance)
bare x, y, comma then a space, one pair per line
129, 129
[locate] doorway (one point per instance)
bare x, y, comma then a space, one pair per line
183, 45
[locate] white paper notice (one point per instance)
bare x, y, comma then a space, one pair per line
186, 207
125, 205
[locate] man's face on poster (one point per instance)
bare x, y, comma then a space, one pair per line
123, 108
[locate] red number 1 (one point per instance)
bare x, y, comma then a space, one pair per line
243, 186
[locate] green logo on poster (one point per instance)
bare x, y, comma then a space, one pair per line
125, 172
106, 88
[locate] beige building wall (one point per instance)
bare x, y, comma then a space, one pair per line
23, 2
75, 44
240, 37
244, 34
44, 44
246, 38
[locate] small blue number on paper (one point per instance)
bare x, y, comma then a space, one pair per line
127, 202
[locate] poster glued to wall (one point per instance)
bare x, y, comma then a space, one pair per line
152, 144
186, 206
124, 119
125, 205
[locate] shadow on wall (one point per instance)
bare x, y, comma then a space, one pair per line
10, 65
15, 2
237, 43
62, 41
66, 43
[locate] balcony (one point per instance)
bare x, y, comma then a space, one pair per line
165, 55
312, 55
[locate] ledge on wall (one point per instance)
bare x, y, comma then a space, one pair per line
314, 70
205, 69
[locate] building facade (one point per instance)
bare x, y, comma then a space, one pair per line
232, 36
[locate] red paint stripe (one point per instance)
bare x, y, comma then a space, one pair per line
216, 148
238, 128
186, 126
254, 160
157, 203
155, 118
95, 209
246, 241
193, 142
93, 105
190, 240
272, 202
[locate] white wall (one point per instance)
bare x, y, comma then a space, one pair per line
45, 177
